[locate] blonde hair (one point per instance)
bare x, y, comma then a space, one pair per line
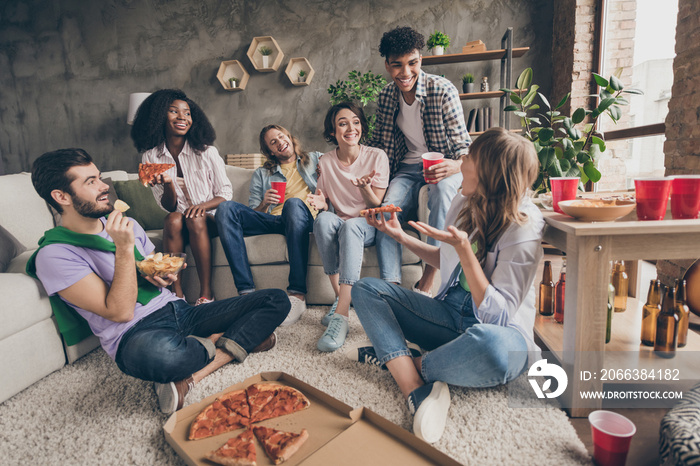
271, 161
506, 166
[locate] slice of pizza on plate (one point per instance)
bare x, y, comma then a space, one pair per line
280, 445
227, 413
238, 451
269, 400
148, 171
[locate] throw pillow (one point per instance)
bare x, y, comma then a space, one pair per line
10, 248
144, 208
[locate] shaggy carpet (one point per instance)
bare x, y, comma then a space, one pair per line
91, 413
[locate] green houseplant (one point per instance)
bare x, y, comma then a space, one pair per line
302, 76
468, 83
359, 88
265, 51
563, 148
438, 41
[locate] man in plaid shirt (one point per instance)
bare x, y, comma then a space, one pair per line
417, 113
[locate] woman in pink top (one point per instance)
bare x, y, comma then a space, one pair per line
170, 128
352, 177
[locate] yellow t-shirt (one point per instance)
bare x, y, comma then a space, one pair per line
296, 187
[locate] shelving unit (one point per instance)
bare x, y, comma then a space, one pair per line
293, 68
232, 69
505, 54
256, 57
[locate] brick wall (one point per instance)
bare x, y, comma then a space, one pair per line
682, 147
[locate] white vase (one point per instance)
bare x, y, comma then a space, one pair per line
265, 61
439, 50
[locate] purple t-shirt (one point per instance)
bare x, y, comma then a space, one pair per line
59, 266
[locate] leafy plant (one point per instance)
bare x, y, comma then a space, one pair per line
233, 80
468, 78
359, 88
562, 148
265, 50
302, 73
438, 39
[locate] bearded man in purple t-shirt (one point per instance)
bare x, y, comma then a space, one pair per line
88, 266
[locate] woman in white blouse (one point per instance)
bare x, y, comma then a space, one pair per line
478, 330
170, 128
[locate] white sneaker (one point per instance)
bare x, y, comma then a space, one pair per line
429, 405
298, 308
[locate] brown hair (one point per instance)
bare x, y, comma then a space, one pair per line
271, 161
506, 166
329, 122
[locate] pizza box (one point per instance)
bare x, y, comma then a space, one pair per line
338, 434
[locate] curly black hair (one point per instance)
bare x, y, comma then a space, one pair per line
149, 125
400, 41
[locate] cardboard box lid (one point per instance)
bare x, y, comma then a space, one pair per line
338, 434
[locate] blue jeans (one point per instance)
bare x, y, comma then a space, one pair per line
403, 192
235, 220
462, 351
171, 344
341, 244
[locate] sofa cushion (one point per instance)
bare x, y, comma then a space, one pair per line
144, 208
24, 303
240, 180
18, 199
9, 248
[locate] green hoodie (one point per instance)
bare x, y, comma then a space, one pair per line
73, 327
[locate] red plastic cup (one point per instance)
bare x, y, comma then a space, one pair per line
652, 197
612, 435
563, 189
280, 187
685, 196
430, 159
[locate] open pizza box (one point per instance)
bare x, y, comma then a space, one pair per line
338, 434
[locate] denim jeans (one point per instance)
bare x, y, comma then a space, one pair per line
341, 244
235, 221
403, 192
171, 344
462, 351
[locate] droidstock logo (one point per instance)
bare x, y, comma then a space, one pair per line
543, 369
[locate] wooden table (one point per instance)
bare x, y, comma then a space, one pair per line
589, 249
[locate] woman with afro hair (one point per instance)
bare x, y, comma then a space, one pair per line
171, 128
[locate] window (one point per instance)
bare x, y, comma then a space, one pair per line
639, 37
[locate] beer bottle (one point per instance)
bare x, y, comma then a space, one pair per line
667, 326
621, 283
683, 313
651, 312
559, 295
611, 301
547, 291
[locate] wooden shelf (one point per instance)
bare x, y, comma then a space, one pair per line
474, 56
479, 133
486, 95
256, 57
229, 69
293, 68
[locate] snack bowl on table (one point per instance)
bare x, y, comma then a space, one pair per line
160, 264
597, 210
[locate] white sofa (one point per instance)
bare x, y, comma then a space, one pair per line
30, 345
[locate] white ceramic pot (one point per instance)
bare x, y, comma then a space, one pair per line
439, 50
265, 61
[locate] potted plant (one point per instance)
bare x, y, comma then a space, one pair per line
562, 148
265, 51
302, 76
360, 88
468, 83
438, 42
234, 82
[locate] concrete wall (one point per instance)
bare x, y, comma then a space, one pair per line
68, 66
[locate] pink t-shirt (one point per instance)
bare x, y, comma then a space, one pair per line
336, 179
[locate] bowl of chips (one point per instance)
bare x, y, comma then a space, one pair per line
160, 264
597, 210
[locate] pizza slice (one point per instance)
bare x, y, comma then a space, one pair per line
227, 413
383, 209
238, 451
268, 400
279, 445
148, 171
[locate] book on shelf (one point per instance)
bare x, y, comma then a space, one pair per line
471, 121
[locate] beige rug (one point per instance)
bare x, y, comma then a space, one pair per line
90, 413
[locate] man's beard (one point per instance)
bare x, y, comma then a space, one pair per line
90, 209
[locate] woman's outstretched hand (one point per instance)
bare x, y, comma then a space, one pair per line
364, 180
453, 236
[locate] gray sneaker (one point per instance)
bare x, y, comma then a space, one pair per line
327, 317
334, 336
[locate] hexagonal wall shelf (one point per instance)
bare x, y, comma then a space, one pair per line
274, 60
232, 69
295, 65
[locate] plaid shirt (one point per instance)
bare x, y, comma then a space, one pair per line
441, 113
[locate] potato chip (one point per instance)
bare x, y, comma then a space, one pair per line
160, 265
121, 206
